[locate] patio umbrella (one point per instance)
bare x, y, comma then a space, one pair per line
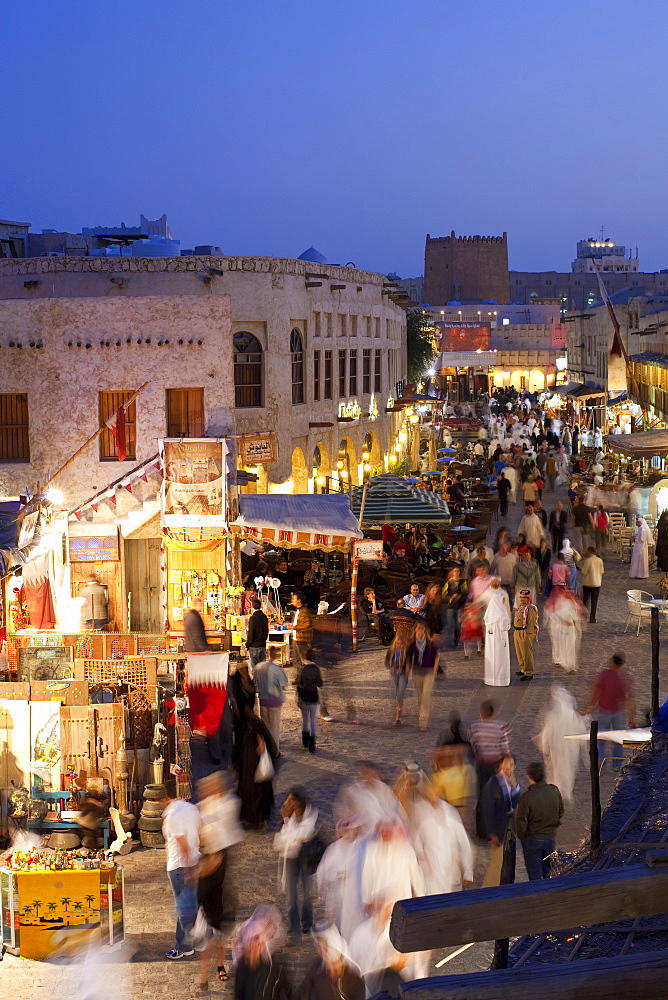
391, 499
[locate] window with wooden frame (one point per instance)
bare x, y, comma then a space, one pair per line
366, 370
297, 358
352, 373
342, 374
108, 404
185, 413
247, 370
316, 376
14, 433
377, 371
327, 393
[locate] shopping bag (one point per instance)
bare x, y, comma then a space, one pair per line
265, 769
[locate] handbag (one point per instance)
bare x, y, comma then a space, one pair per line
311, 853
265, 768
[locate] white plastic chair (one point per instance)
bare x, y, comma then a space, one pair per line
638, 609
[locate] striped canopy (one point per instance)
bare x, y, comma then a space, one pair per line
391, 499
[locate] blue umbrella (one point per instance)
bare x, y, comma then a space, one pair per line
442, 451
434, 472
409, 480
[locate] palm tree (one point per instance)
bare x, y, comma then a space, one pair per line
78, 905
66, 902
36, 905
89, 900
52, 908
27, 910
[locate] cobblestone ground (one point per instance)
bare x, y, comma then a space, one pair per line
149, 913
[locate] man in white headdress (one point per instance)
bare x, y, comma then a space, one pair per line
441, 844
497, 624
339, 877
510, 472
564, 614
640, 553
368, 798
390, 871
561, 756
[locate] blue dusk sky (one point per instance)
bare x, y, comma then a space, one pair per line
265, 127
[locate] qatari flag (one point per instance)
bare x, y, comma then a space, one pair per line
116, 425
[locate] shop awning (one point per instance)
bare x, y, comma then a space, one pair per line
304, 521
616, 396
646, 444
393, 500
577, 390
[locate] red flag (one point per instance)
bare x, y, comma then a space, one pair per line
116, 425
77, 514
128, 487
94, 506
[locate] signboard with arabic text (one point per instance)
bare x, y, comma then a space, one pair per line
258, 449
369, 549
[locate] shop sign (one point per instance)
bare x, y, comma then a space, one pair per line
369, 549
258, 449
194, 486
27, 532
50, 663
350, 409
94, 548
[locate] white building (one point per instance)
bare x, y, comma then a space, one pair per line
603, 255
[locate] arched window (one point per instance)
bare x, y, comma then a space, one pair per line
297, 356
247, 370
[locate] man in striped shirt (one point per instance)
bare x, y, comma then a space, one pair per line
489, 741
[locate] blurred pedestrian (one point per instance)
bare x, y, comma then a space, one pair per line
612, 700
332, 974
398, 663
498, 800
300, 819
422, 657
561, 756
216, 893
592, 569
259, 970
271, 682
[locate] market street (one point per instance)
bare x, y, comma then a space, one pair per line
149, 907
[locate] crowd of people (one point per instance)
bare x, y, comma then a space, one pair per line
415, 835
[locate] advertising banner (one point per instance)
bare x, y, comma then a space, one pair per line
464, 338
194, 487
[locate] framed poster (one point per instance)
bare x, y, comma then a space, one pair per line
194, 485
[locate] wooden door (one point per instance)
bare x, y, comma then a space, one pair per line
142, 583
89, 738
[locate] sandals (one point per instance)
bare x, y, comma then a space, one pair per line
222, 974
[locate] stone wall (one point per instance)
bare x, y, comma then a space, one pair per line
66, 350
333, 308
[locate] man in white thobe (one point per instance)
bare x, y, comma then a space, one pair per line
531, 527
368, 798
339, 877
563, 614
390, 871
562, 757
497, 648
642, 539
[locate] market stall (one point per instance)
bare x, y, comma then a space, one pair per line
54, 901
